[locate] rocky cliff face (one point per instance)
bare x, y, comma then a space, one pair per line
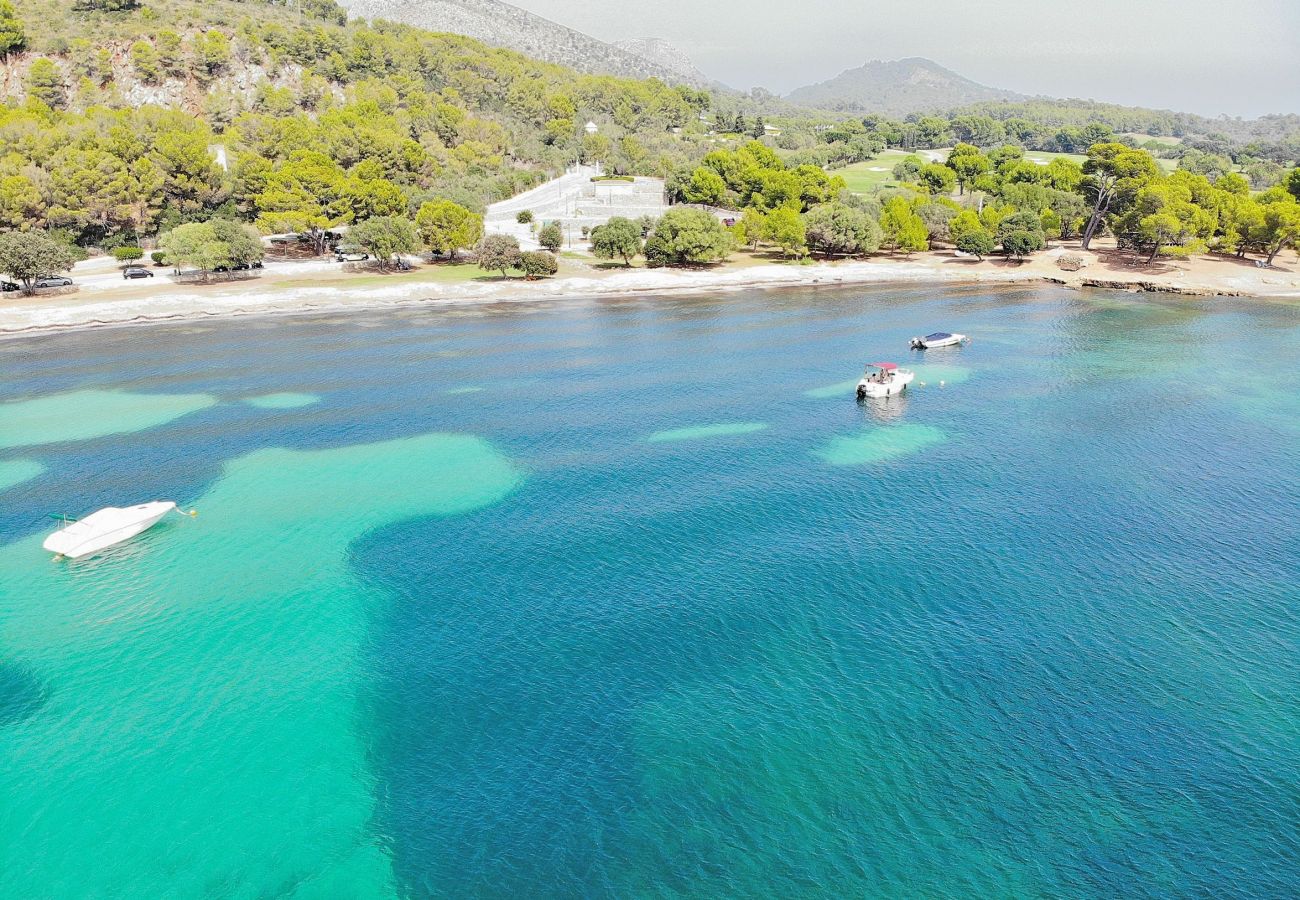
503, 25
662, 53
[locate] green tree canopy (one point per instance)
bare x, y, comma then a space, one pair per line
977, 242
1165, 220
1281, 223
687, 237
937, 179
144, 59
908, 169
785, 228
26, 256
303, 194
386, 237
617, 238
706, 186
903, 228
1292, 182
1113, 174
1019, 244
1026, 222
968, 163
538, 264
751, 227
44, 83
837, 229
498, 253
13, 37
447, 227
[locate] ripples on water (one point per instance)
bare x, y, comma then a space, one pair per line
633, 599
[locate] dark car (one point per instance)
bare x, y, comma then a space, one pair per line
8, 286
239, 267
136, 272
53, 281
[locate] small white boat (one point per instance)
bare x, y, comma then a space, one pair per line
939, 339
884, 380
109, 526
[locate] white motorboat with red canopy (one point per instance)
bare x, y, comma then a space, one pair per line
884, 379
111, 525
939, 339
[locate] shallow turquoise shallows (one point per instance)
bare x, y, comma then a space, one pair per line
632, 599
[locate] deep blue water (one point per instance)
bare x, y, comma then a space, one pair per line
1046, 645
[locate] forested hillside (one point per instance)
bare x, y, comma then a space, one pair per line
499, 24
123, 121
120, 116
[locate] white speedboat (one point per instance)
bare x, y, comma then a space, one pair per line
884, 380
109, 526
939, 339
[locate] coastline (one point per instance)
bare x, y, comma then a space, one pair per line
341, 292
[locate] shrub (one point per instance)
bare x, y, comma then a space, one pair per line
1019, 244
976, 241
525, 217
158, 257
497, 253
538, 264
551, 237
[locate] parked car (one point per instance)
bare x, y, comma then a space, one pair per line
8, 286
350, 255
136, 272
239, 267
49, 281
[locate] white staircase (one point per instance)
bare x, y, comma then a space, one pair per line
575, 201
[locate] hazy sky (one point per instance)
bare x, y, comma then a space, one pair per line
1205, 56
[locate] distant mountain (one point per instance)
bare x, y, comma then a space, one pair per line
662, 53
898, 87
503, 25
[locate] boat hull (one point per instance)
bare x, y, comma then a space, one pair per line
106, 528
893, 387
953, 340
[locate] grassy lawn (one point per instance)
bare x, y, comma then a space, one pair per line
1161, 138
865, 177
1040, 156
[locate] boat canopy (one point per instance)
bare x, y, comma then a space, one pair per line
938, 336
888, 367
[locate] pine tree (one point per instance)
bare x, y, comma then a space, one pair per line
12, 36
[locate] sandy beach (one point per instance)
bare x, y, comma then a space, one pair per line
104, 299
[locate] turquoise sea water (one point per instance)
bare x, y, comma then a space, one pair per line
631, 599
